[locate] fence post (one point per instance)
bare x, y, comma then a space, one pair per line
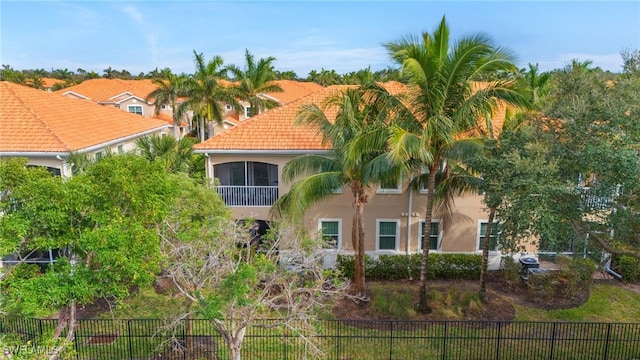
606, 344
499, 337
391, 340
129, 339
444, 341
339, 333
553, 340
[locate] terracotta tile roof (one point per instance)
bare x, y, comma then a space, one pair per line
293, 90
38, 121
275, 129
49, 82
104, 90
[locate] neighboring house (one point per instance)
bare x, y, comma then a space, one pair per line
291, 90
46, 127
127, 95
247, 163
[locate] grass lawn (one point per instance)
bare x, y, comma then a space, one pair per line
607, 303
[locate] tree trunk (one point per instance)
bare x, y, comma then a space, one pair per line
235, 343
201, 126
485, 258
357, 240
64, 321
423, 303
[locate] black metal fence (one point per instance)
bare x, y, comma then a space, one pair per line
339, 339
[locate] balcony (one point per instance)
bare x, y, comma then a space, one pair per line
248, 195
595, 200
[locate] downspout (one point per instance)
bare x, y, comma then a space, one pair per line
409, 217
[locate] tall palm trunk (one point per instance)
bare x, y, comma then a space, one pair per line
357, 239
485, 257
423, 304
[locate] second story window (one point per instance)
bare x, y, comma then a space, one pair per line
247, 112
135, 109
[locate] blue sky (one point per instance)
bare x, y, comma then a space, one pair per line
303, 35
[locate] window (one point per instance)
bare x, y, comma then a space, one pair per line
120, 149
434, 235
387, 234
247, 111
493, 238
389, 186
228, 107
135, 109
331, 232
246, 174
99, 155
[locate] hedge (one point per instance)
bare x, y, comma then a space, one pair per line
401, 267
628, 267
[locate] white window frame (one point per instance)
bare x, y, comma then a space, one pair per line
227, 107
397, 247
141, 109
479, 236
121, 149
440, 234
247, 112
339, 221
396, 190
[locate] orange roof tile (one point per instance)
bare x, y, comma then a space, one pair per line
38, 121
275, 129
104, 90
49, 82
271, 130
293, 90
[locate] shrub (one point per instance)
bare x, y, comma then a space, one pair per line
407, 267
510, 271
628, 267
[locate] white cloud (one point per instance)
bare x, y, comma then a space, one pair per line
134, 14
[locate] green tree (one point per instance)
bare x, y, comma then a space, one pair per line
535, 82
596, 140
444, 105
254, 81
318, 177
102, 223
176, 155
205, 95
169, 88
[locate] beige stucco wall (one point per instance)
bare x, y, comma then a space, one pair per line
147, 110
460, 235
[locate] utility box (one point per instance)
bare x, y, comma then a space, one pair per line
528, 263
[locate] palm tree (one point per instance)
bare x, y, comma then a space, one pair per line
445, 106
176, 154
109, 73
321, 176
256, 78
535, 82
205, 95
167, 93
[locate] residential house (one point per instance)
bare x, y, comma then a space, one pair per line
46, 127
247, 163
128, 95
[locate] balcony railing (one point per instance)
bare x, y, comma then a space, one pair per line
248, 195
595, 200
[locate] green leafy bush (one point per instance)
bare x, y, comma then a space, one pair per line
407, 267
628, 267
